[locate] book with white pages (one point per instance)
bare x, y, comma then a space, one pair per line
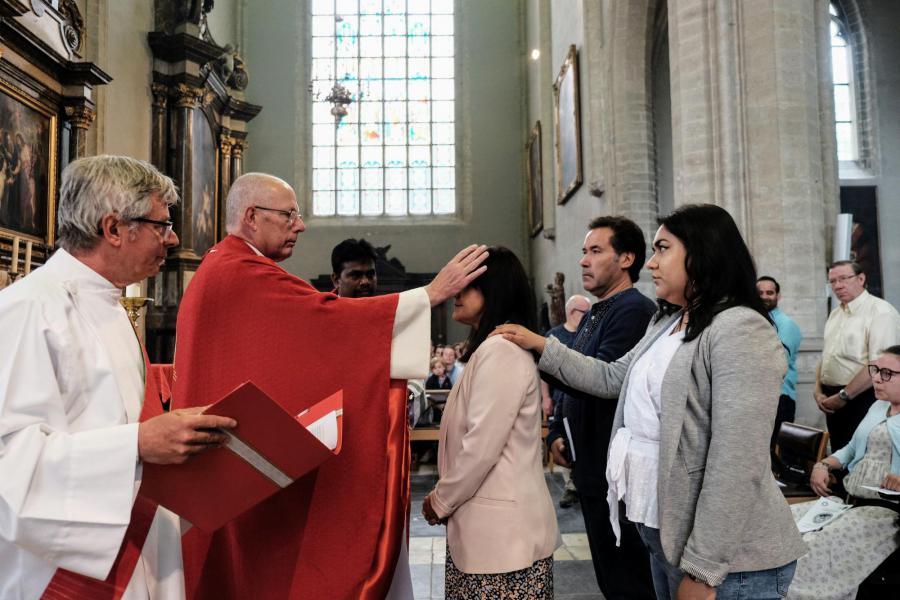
823, 512
884, 492
569, 442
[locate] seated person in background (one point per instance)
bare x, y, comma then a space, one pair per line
846, 551
452, 365
438, 380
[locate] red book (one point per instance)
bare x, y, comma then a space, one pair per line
268, 450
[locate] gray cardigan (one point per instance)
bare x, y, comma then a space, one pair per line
720, 510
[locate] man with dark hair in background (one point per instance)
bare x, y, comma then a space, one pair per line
353, 269
614, 251
770, 293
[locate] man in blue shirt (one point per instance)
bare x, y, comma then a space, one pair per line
613, 254
789, 333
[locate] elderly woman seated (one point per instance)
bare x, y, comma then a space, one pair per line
847, 550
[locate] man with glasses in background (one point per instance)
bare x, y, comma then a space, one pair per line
857, 331
552, 397
78, 415
339, 532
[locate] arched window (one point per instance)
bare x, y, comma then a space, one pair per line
393, 154
842, 72
854, 106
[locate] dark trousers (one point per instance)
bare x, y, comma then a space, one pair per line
844, 421
787, 410
624, 571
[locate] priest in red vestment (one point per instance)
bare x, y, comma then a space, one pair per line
338, 532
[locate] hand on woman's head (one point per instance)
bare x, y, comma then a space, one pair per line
521, 337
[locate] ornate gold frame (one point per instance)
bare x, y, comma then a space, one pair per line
568, 75
52, 164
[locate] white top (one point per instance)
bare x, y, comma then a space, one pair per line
856, 333
71, 389
633, 466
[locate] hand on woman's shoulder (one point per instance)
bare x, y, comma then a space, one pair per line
497, 348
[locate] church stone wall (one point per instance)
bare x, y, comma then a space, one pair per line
751, 130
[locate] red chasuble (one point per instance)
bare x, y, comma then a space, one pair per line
335, 533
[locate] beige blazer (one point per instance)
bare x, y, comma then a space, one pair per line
491, 482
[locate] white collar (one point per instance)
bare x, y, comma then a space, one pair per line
77, 276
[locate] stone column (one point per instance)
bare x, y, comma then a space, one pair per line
752, 132
79, 117
630, 160
187, 98
226, 142
237, 158
159, 137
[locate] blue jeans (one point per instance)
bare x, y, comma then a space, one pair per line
770, 584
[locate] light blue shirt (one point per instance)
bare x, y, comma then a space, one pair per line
853, 452
455, 372
790, 337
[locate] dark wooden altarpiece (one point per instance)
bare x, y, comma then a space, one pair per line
199, 126
46, 108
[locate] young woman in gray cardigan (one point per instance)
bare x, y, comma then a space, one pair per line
697, 402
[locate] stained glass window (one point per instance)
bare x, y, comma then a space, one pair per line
394, 152
842, 79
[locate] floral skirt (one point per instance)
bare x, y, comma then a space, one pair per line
533, 583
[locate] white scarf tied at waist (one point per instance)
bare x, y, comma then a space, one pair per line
617, 477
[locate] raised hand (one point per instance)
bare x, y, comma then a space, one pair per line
175, 436
462, 270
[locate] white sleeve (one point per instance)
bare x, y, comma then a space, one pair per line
411, 338
65, 495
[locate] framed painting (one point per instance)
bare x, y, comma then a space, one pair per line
204, 184
862, 203
27, 167
567, 111
535, 182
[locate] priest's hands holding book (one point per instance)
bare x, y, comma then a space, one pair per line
521, 337
457, 274
173, 437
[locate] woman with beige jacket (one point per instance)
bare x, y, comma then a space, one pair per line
491, 494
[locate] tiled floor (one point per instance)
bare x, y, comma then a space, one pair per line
573, 574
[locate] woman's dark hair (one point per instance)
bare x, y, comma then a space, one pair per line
720, 270
895, 350
508, 297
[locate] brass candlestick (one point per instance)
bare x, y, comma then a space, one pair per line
133, 306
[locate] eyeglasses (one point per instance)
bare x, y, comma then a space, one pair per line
885, 373
165, 227
837, 280
292, 215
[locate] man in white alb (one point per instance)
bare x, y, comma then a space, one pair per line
72, 381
